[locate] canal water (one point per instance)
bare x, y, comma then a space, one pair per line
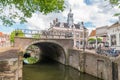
54, 71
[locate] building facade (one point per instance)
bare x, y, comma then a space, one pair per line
69, 29
4, 40
101, 32
113, 33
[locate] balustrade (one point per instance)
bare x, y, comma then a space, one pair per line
43, 34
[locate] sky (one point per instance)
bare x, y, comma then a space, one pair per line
94, 13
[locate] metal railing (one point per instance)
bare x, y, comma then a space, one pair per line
42, 34
109, 52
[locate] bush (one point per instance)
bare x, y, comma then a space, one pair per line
30, 60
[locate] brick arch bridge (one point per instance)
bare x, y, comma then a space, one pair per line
52, 48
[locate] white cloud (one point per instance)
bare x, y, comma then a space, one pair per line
99, 13
40, 21
36, 22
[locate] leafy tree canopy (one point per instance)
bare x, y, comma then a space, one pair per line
12, 10
18, 10
115, 3
36, 36
16, 33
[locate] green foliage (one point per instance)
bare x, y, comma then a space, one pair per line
117, 14
114, 3
93, 40
36, 36
18, 33
31, 60
22, 9
99, 39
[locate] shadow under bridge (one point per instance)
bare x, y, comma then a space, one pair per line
49, 52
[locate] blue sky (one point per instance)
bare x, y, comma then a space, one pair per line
88, 2
94, 13
89, 25
11, 28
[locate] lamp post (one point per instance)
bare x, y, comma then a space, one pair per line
96, 44
83, 37
79, 40
74, 38
83, 55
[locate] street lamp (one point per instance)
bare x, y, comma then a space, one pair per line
83, 37
84, 56
96, 44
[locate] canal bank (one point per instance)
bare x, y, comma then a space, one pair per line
100, 66
11, 65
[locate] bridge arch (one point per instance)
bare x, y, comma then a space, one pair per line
51, 50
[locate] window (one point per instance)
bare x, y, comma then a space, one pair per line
77, 44
81, 35
77, 35
113, 40
81, 42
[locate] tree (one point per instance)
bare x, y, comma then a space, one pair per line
18, 33
93, 40
12, 10
21, 9
113, 4
99, 40
36, 36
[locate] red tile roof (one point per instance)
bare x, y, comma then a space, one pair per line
93, 33
1, 34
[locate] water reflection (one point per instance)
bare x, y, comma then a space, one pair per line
53, 72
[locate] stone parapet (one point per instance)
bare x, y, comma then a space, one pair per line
11, 69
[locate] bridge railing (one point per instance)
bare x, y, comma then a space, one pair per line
42, 34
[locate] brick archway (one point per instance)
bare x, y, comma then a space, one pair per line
51, 50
